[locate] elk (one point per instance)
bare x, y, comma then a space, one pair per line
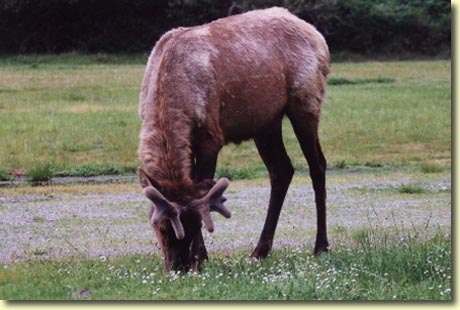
231, 80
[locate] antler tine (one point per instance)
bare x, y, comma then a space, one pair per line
177, 226
207, 220
221, 208
213, 201
164, 209
216, 198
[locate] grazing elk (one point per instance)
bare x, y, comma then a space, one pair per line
227, 81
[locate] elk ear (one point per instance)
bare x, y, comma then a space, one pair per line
213, 201
164, 210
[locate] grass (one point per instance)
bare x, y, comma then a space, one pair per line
71, 59
356, 81
4, 175
42, 172
431, 168
374, 268
240, 173
77, 115
411, 189
341, 164
79, 111
89, 170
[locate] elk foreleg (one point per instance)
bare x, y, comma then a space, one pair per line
205, 166
271, 149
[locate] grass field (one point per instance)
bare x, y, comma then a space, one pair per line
386, 132
74, 114
404, 270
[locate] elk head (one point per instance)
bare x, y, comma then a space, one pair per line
177, 225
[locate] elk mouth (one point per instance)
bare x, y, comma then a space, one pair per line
184, 254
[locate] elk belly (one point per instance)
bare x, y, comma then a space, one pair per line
249, 107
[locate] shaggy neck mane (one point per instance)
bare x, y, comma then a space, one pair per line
165, 150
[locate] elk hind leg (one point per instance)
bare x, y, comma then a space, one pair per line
305, 123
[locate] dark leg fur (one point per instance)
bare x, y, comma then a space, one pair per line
306, 129
271, 149
204, 169
198, 252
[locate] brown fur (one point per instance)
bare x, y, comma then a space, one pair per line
245, 89
228, 81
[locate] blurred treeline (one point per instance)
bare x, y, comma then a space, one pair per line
369, 27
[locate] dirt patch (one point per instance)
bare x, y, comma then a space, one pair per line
105, 224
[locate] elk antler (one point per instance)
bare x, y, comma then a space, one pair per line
213, 201
164, 209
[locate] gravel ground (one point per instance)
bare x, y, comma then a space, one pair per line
108, 224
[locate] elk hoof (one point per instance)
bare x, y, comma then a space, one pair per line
253, 259
259, 254
321, 249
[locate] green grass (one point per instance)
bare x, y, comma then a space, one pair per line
376, 267
411, 189
341, 164
4, 175
345, 81
81, 110
42, 61
89, 170
431, 168
41, 172
240, 173
77, 115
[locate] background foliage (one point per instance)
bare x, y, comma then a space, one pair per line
359, 26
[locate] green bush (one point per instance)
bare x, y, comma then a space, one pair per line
395, 26
81, 25
359, 26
